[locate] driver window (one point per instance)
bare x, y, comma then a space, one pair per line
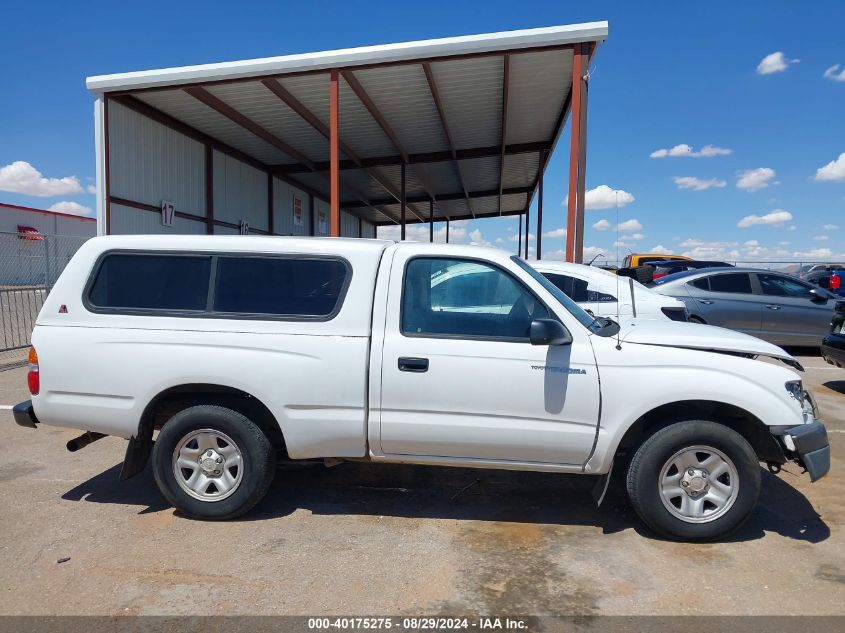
466, 299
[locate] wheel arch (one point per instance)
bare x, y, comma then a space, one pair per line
740, 420
176, 398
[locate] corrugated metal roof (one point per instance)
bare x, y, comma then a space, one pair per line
402, 96
185, 108
349, 57
257, 103
471, 90
389, 109
538, 91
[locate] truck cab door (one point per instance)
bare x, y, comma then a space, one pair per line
459, 378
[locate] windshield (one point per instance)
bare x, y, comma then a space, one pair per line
571, 307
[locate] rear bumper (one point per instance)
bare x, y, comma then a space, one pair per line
808, 445
25, 415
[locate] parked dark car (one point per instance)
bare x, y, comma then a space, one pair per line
830, 278
807, 269
770, 305
661, 269
833, 345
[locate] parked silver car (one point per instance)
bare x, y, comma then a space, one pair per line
773, 306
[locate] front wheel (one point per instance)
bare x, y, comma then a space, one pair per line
211, 462
695, 481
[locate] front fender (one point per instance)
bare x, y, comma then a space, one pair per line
637, 383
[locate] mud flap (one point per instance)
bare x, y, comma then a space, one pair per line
137, 454
600, 489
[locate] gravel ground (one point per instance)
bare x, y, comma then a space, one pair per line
363, 539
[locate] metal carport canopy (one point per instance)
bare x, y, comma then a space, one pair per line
457, 128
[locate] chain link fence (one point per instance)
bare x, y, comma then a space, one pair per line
30, 263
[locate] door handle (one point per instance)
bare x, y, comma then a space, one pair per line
772, 306
416, 365
706, 302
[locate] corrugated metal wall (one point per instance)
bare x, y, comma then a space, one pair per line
149, 162
321, 224
368, 230
348, 224
130, 221
45, 223
284, 222
240, 192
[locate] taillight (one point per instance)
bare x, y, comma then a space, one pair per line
33, 378
835, 282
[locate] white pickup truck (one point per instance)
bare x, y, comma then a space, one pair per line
239, 349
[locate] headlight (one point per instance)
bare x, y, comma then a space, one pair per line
796, 390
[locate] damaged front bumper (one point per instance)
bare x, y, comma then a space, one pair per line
807, 445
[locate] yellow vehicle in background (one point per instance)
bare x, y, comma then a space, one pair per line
638, 259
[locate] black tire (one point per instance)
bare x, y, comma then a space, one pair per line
644, 478
258, 461
697, 319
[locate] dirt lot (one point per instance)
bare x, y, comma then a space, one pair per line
359, 539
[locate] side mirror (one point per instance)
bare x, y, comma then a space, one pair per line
818, 296
549, 332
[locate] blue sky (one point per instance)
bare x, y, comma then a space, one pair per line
670, 74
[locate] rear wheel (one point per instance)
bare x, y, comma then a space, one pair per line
695, 480
211, 462
696, 319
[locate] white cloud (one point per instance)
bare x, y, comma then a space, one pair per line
634, 237
475, 237
516, 237
592, 251
21, 177
698, 184
73, 208
561, 232
834, 171
629, 225
821, 238
774, 63
775, 218
603, 197
754, 179
834, 73
419, 232
601, 225
685, 150
814, 253
831, 227
659, 250
91, 188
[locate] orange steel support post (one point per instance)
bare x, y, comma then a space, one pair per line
575, 120
334, 154
586, 50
